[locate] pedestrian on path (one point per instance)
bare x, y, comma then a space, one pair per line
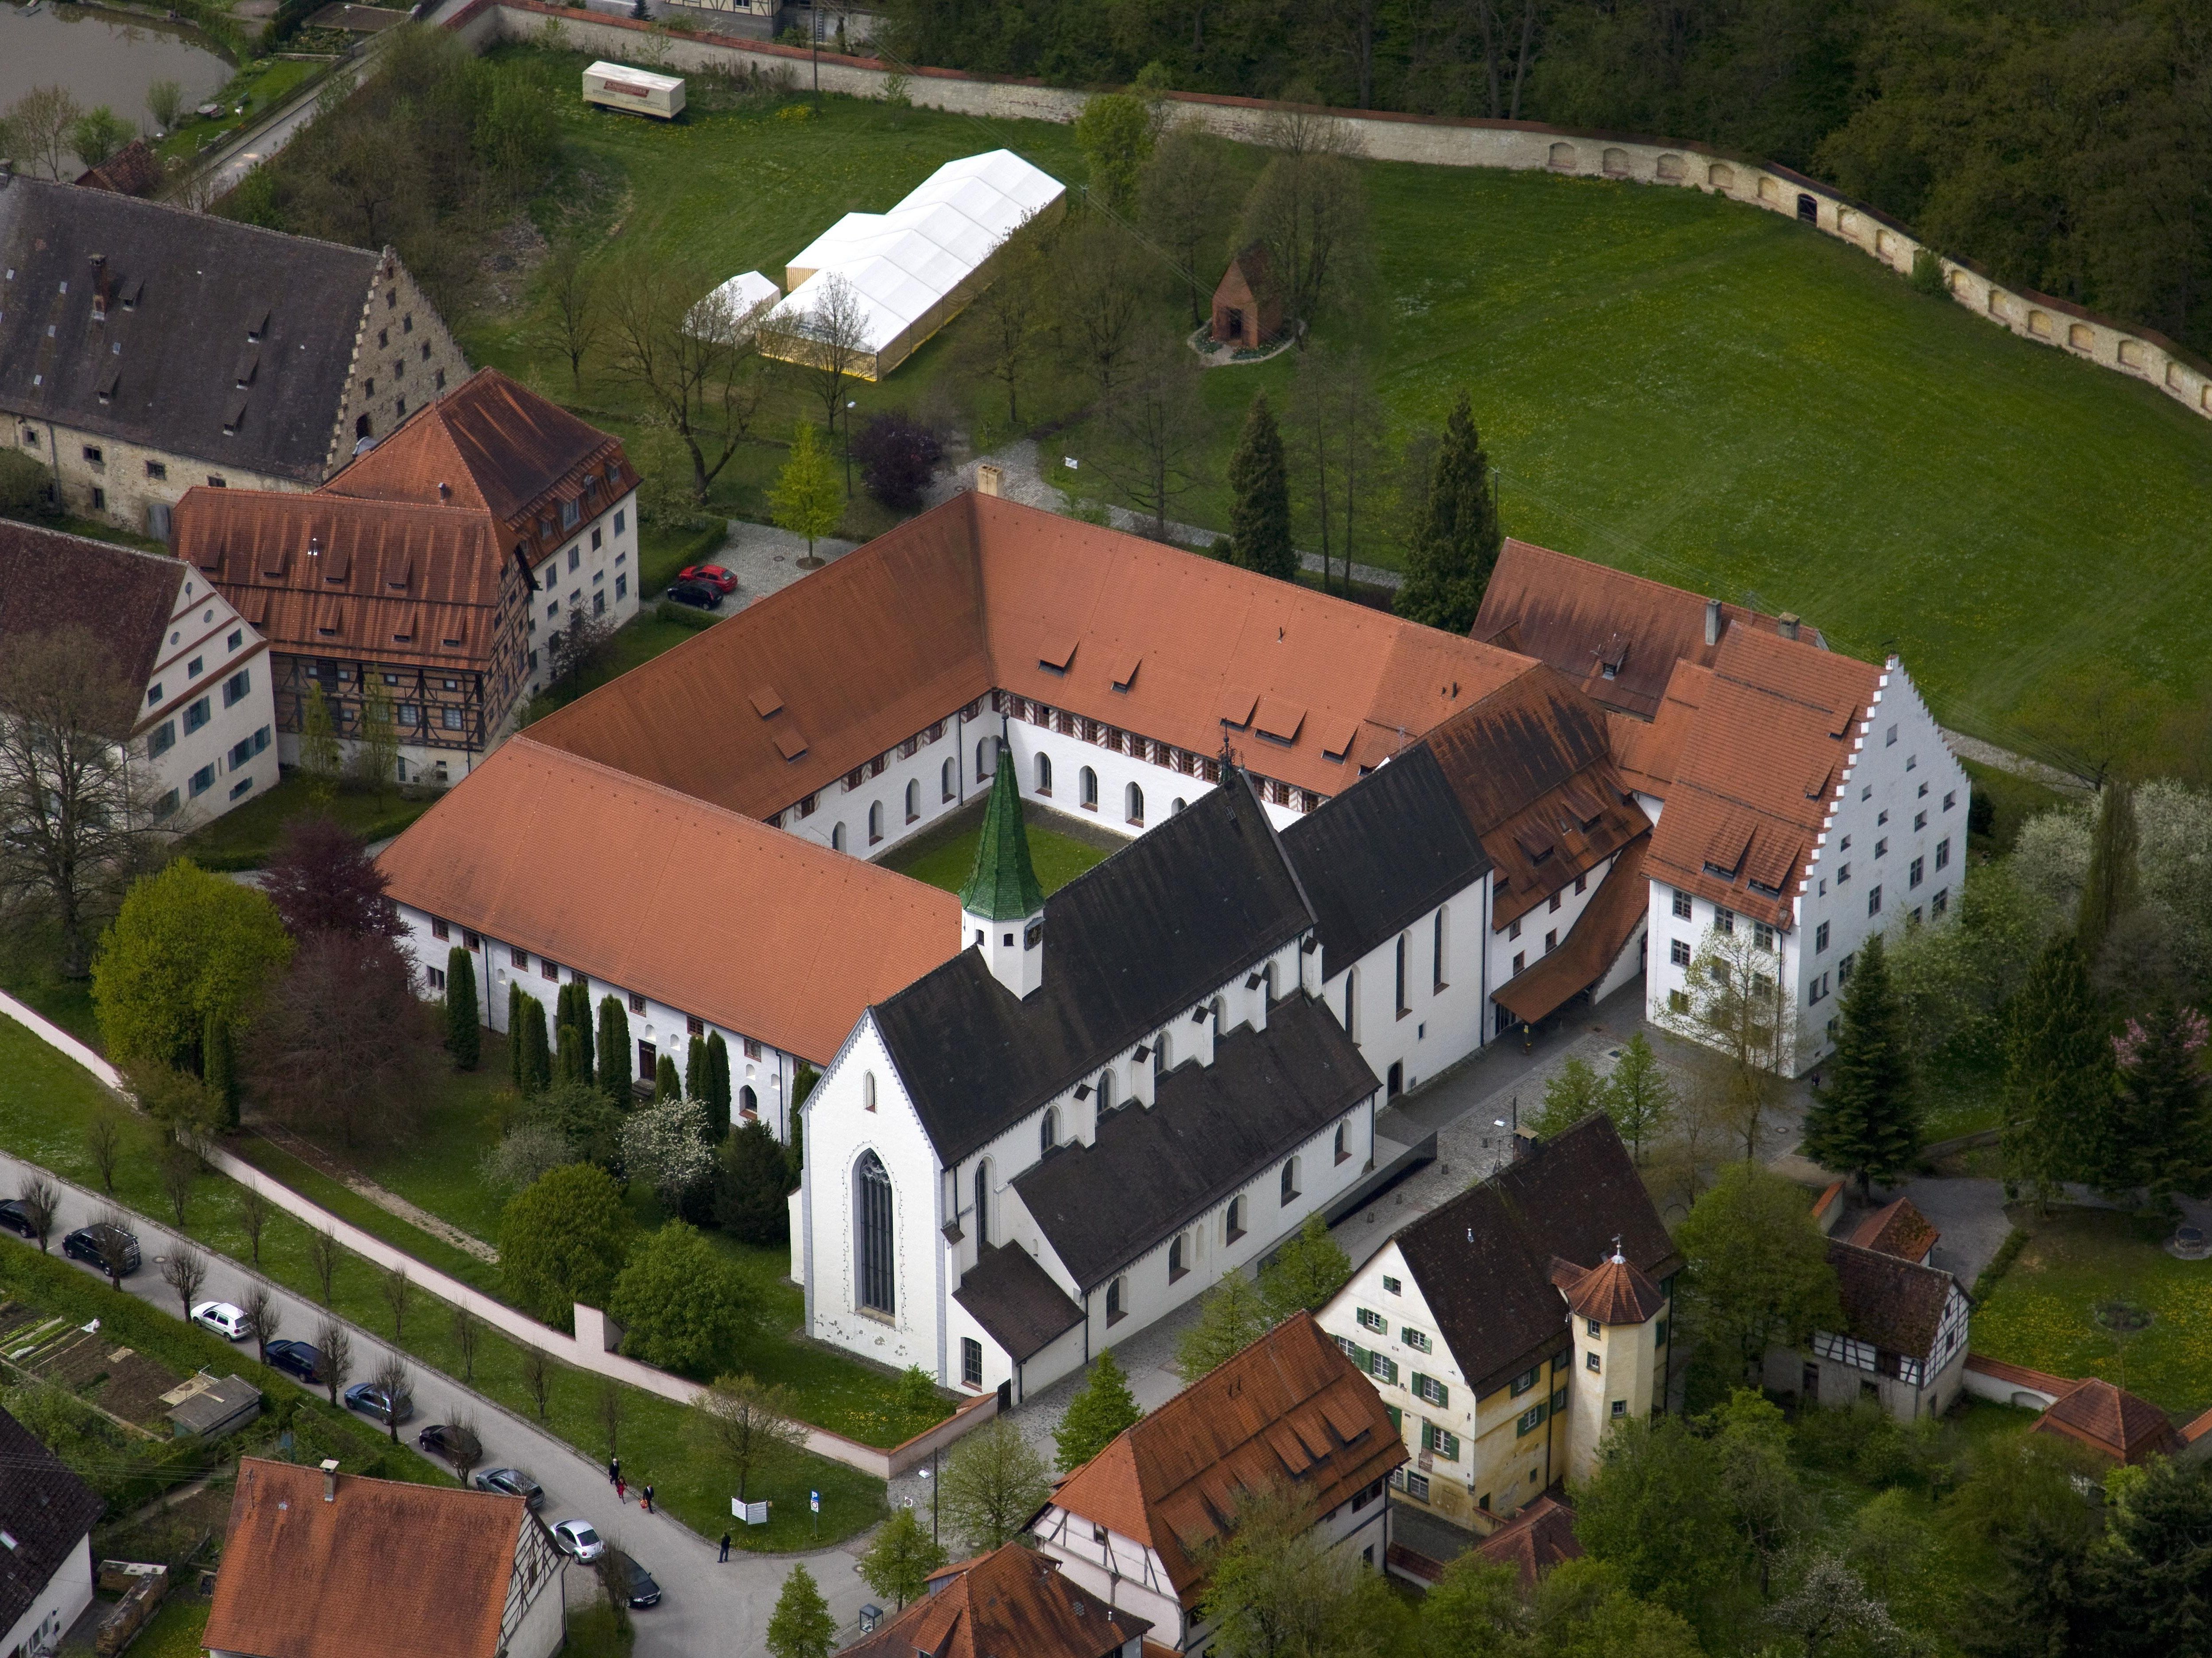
622, 1487
614, 1471
726, 1548
648, 1499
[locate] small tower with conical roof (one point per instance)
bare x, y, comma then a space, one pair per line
1002, 906
1614, 1311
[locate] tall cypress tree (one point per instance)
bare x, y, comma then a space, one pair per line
571, 1061
219, 1068
515, 1017
666, 1084
2108, 891
536, 1059
694, 1069
718, 1086
614, 1073
1260, 521
2059, 1077
464, 1025
1456, 542
1866, 1122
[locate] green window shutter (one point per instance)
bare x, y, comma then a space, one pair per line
1397, 1418
1418, 1383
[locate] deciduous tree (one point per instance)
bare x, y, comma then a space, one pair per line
264, 1318
1338, 442
1230, 1318
341, 1046
1310, 211
1637, 1096
97, 134
319, 758
1655, 1511
1101, 1409
665, 1144
807, 499
745, 1426
1114, 133
1154, 424
187, 946
2114, 878
2059, 1092
563, 1241
1305, 1273
1572, 1092
1182, 201
322, 879
184, 1270
40, 1200
682, 1306
334, 1342
1011, 315
1455, 535
1758, 1274
1738, 1004
994, 1484
802, 1625
693, 358
37, 125
576, 314
1865, 1118
899, 1561
1098, 290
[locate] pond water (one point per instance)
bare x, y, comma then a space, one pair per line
102, 58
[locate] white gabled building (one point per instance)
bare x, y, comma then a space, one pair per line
46, 1514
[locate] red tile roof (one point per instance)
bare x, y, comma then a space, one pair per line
760, 931
1897, 1229
133, 170
387, 1569
1612, 1292
1009, 1603
2111, 1420
2020, 1375
1600, 933
1536, 1539
1289, 1412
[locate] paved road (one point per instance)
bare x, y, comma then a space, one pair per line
706, 1608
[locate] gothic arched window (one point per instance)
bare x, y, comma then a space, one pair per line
983, 1204
871, 1209
1049, 1131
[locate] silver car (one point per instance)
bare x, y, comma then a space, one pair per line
576, 1537
219, 1316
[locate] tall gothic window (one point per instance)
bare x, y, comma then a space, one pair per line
871, 1195
983, 1204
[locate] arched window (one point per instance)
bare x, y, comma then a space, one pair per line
875, 822
1106, 1089
871, 1211
945, 781
1044, 774
1088, 790
1341, 1154
912, 798
1178, 1256
1351, 1004
1136, 804
1235, 1218
983, 1204
1220, 1011
748, 1102
1267, 982
1177, 805
1160, 1060
867, 1091
1049, 1131
1290, 1180
984, 755
837, 838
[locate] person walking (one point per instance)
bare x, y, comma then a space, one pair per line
614, 1471
621, 1488
726, 1550
648, 1499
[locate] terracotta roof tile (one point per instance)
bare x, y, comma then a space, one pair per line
1897, 1229
1612, 1292
394, 1569
1895, 1304
2112, 1420
1174, 1479
1600, 933
48, 580
758, 931
1009, 1603
1537, 1539
133, 170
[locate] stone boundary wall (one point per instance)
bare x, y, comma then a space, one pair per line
583, 1355
1438, 141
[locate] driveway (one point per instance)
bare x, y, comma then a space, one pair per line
706, 1608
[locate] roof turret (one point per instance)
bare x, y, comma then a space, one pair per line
1003, 885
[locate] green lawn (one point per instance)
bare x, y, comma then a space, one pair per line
2039, 1314
1668, 382
174, 1630
245, 836
263, 81
44, 1104
947, 864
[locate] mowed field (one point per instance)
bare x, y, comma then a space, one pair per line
1679, 385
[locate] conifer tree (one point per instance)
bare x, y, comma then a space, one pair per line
536, 1059
571, 1061
802, 1625
1260, 520
514, 1042
2108, 892
1865, 1122
666, 1084
219, 1069
718, 1087
2059, 1077
1096, 1414
2162, 1138
694, 1069
1456, 541
614, 1073
464, 1027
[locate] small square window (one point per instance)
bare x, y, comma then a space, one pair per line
637, 1004
1681, 906
1590, 1361
696, 1027
1392, 1286
1678, 952
1950, 799
1372, 1320
157, 469
1620, 1408
1919, 822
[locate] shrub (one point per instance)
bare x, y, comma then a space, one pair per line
682, 1306
898, 455
1928, 273
23, 486
564, 1241
751, 1184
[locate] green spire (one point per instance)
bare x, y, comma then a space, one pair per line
1003, 885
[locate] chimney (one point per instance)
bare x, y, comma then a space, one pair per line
988, 479
1712, 621
330, 1479
1786, 625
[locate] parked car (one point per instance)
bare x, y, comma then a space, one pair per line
577, 1537
297, 1358
372, 1400
643, 1591
219, 1316
697, 594
13, 1217
715, 575
452, 1442
93, 1244
512, 1482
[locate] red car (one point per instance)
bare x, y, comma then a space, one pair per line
713, 574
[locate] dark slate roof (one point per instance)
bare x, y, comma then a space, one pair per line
1896, 1304
124, 596
1378, 857
46, 1509
187, 287
1211, 1129
1484, 1261
1139, 940
1015, 1300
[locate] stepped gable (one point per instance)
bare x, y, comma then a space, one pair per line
1484, 1261
1378, 857
1531, 765
1764, 754
787, 944
1212, 1130
1616, 636
1133, 943
1291, 1410
195, 303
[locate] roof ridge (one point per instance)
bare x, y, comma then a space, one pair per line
373, 255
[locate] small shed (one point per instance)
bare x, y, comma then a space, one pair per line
641, 91
210, 1408
1247, 310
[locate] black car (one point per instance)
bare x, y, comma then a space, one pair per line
699, 595
296, 1358
93, 1245
13, 1217
511, 1482
643, 1591
455, 1444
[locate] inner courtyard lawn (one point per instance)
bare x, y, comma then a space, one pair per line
1058, 859
1677, 384
2040, 1313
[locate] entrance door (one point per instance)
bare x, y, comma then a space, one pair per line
1397, 1078
1809, 210
1811, 1384
648, 1060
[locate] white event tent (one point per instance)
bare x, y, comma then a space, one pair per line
912, 270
